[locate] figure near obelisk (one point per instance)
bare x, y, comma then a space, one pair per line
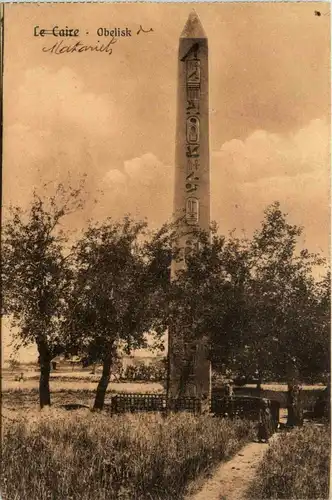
189, 368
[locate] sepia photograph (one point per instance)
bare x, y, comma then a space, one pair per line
165, 251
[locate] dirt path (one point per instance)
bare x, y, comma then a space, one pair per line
231, 480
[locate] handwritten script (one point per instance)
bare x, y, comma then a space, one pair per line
61, 48
141, 30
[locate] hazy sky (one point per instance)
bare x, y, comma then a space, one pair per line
113, 116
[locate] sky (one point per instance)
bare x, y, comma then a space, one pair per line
112, 116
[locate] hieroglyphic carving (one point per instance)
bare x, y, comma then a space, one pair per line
191, 181
191, 177
192, 150
192, 165
193, 87
193, 105
193, 71
190, 187
193, 84
193, 130
192, 211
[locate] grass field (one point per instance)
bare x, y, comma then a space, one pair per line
60, 455
295, 467
70, 381
78, 380
78, 454
79, 386
24, 394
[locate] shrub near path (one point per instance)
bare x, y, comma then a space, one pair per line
87, 455
296, 466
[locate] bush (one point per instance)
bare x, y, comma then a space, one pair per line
89, 455
296, 467
148, 373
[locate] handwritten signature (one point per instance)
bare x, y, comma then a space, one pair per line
142, 30
60, 48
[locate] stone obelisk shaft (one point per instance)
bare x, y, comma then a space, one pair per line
189, 368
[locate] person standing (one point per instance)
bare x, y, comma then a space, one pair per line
264, 423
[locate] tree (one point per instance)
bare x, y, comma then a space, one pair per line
14, 364
315, 357
119, 280
205, 299
282, 302
36, 275
257, 301
323, 325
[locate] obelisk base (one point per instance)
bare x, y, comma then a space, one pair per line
189, 373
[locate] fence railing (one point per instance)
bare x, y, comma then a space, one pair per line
129, 403
243, 407
231, 407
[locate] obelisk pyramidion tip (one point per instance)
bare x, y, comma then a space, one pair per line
193, 27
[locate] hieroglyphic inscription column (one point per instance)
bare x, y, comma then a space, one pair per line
189, 368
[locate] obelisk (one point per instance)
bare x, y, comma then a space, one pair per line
189, 367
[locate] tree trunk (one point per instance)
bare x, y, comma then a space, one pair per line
103, 382
294, 407
259, 384
291, 401
44, 380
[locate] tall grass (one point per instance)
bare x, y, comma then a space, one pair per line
295, 467
89, 456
